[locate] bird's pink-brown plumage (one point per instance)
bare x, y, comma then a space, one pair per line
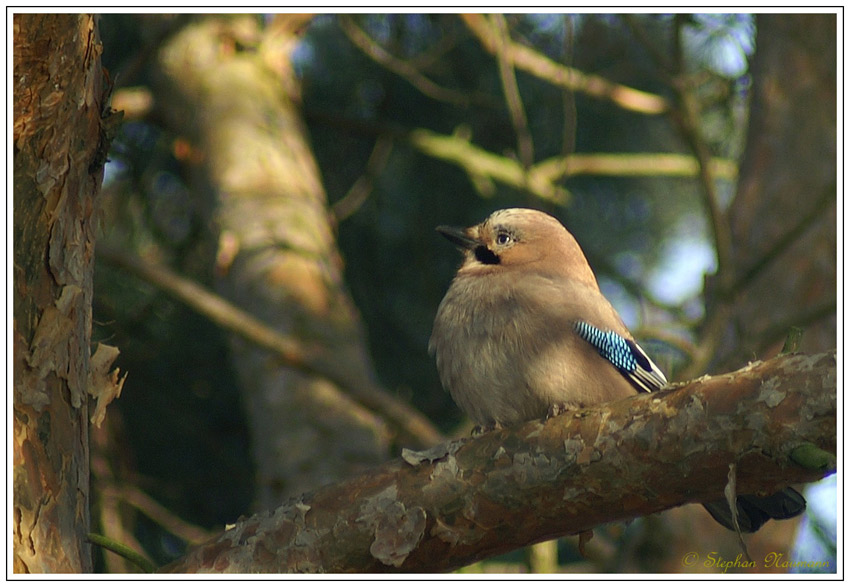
504, 336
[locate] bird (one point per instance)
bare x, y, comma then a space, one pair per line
524, 332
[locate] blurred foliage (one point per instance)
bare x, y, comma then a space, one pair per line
180, 407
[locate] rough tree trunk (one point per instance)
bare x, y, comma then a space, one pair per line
783, 216
58, 160
228, 87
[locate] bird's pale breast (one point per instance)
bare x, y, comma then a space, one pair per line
511, 354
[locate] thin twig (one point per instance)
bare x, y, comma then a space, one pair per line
680, 343
432, 55
123, 551
712, 332
569, 99
731, 495
360, 190
525, 143
398, 66
778, 331
158, 513
660, 57
686, 117
718, 220
766, 338
787, 239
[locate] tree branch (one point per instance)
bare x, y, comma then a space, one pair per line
405, 69
632, 164
360, 190
687, 116
470, 499
412, 426
484, 167
541, 180
537, 64
513, 99
786, 240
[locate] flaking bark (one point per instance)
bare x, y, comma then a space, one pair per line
470, 499
61, 128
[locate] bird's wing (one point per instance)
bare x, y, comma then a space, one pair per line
626, 355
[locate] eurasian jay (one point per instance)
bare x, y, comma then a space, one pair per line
524, 329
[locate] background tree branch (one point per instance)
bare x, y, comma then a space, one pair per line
411, 426
469, 499
539, 65
402, 67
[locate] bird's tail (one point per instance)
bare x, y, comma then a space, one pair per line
754, 511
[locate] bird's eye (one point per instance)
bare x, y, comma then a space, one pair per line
503, 238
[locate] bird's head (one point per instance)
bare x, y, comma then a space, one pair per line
519, 239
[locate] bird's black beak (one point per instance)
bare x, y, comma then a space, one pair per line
458, 237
